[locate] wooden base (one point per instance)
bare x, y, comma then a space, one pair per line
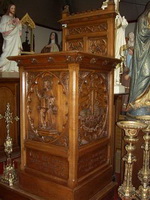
15, 193
50, 190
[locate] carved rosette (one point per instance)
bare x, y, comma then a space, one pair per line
75, 45
98, 46
47, 107
93, 107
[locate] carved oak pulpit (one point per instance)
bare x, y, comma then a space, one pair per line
66, 125
92, 31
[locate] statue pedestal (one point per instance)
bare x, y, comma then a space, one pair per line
118, 89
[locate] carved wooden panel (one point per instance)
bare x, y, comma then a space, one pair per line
95, 28
98, 45
47, 107
93, 106
51, 165
88, 29
75, 45
92, 160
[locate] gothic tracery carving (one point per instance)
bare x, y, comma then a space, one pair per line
75, 45
98, 46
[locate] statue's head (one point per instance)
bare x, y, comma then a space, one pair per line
53, 36
11, 9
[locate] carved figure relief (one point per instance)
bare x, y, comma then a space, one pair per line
47, 107
93, 107
98, 46
47, 97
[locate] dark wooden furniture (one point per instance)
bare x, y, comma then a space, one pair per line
91, 31
67, 139
9, 93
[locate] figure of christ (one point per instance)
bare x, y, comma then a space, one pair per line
11, 30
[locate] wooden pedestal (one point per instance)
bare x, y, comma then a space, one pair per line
66, 125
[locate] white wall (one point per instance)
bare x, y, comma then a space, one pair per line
41, 37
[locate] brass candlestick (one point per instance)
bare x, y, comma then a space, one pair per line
144, 174
131, 128
9, 174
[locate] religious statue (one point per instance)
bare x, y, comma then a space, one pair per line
139, 99
105, 5
52, 45
120, 44
117, 5
129, 54
11, 30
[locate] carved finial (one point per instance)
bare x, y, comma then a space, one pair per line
66, 9
28, 21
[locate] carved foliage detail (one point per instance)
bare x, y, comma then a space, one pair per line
91, 161
88, 29
93, 106
98, 46
75, 45
47, 107
46, 163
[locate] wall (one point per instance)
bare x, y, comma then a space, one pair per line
46, 13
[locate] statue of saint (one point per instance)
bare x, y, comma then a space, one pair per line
128, 55
52, 45
140, 73
11, 30
120, 43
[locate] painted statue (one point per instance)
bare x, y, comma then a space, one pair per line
11, 30
140, 76
120, 43
52, 45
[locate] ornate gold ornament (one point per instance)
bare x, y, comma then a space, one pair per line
9, 174
143, 191
131, 128
29, 23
